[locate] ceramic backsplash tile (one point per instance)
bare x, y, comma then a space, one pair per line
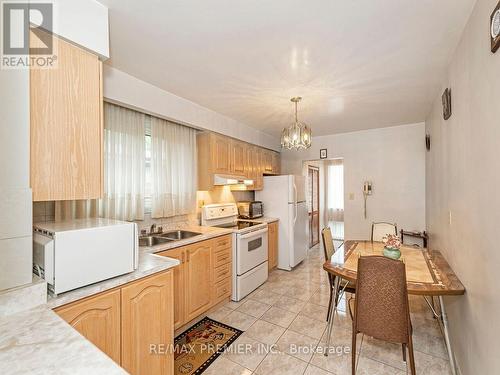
45, 211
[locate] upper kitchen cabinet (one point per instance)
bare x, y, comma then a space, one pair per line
271, 162
66, 125
238, 157
222, 155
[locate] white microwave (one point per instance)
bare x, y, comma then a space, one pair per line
76, 253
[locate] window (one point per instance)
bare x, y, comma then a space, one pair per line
148, 178
150, 166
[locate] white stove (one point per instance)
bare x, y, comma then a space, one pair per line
250, 265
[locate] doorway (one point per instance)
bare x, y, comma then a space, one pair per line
313, 206
334, 194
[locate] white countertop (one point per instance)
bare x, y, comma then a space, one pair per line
34, 339
38, 341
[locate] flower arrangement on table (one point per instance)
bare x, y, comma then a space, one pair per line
392, 244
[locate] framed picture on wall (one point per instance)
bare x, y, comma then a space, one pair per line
323, 153
495, 28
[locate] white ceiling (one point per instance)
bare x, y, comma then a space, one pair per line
359, 64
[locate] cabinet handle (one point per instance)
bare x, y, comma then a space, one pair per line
188, 256
183, 256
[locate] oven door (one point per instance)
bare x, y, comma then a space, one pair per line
251, 250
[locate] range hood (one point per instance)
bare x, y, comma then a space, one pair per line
222, 179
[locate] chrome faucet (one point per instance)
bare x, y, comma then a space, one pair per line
152, 229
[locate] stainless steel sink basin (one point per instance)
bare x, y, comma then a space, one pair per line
177, 235
153, 240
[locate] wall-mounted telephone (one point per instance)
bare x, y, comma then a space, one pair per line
367, 190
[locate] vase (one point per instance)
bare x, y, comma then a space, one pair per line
392, 252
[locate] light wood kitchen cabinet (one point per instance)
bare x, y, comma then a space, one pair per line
125, 321
238, 158
203, 278
179, 282
273, 244
221, 153
218, 154
198, 272
148, 318
66, 145
276, 163
267, 161
98, 319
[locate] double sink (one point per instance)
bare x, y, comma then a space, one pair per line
166, 237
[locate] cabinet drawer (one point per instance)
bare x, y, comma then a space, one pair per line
222, 243
222, 257
222, 289
222, 272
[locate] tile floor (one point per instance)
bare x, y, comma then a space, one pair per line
285, 329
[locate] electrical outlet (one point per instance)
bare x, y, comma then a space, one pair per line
449, 217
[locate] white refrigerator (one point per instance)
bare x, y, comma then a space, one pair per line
284, 197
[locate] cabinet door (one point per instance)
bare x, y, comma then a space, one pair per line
98, 320
147, 319
238, 157
66, 160
276, 163
273, 245
179, 285
198, 272
267, 161
221, 154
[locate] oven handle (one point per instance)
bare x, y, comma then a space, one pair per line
253, 234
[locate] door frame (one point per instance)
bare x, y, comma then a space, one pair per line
310, 173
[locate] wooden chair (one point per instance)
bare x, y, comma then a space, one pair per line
329, 250
381, 229
381, 308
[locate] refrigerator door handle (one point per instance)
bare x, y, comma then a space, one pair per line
295, 203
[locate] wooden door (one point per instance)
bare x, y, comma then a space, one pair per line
66, 159
179, 285
148, 319
221, 154
238, 157
273, 245
198, 273
98, 320
313, 191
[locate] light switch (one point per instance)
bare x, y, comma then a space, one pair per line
351, 196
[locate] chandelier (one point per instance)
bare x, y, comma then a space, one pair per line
298, 135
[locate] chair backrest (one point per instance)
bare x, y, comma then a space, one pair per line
328, 246
381, 229
382, 309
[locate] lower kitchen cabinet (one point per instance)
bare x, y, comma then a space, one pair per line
98, 319
147, 319
198, 278
179, 282
202, 279
272, 245
124, 322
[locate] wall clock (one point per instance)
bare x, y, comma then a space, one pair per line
495, 28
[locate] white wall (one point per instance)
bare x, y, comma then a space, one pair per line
84, 22
122, 88
463, 177
392, 158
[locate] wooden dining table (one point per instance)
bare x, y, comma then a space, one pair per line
428, 274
